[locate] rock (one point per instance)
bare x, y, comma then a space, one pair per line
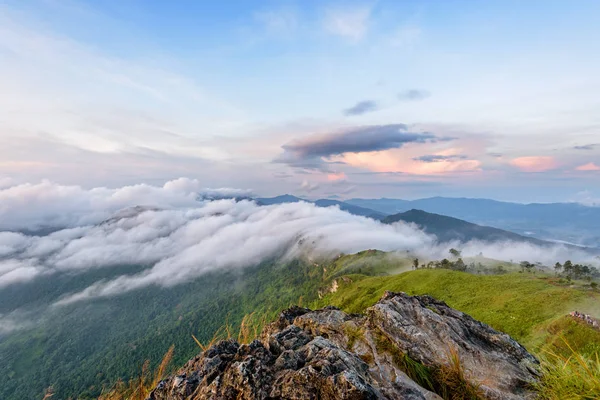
432, 333
328, 354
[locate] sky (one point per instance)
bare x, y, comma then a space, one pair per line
403, 99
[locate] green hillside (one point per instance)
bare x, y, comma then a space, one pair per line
80, 349
90, 346
522, 305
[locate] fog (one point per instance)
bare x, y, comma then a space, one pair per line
181, 233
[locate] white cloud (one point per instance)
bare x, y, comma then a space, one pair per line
308, 187
348, 22
179, 238
50, 205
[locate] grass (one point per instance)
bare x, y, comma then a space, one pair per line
518, 304
568, 335
570, 377
140, 387
448, 381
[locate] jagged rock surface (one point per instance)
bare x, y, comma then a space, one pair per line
328, 354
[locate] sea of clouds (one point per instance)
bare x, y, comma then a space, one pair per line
180, 232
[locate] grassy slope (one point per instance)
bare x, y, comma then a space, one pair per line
521, 305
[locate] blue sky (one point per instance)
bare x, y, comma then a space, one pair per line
401, 99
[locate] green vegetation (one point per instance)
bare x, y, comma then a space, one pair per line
80, 350
83, 349
518, 304
531, 307
570, 377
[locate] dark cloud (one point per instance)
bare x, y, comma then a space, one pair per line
586, 147
362, 107
308, 152
413, 95
429, 158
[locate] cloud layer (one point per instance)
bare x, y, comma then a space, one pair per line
178, 237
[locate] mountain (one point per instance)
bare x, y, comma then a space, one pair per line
352, 209
567, 222
284, 198
383, 205
448, 229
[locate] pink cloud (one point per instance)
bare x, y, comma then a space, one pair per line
397, 161
336, 176
534, 163
588, 167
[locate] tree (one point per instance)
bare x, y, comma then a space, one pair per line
568, 267
557, 267
416, 263
526, 266
460, 265
454, 252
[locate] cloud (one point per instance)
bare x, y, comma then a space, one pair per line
49, 205
348, 22
393, 161
535, 163
187, 239
336, 176
413, 95
311, 150
202, 240
585, 147
587, 198
309, 186
12, 322
362, 107
438, 158
588, 167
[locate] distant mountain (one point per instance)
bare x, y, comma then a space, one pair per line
448, 229
383, 205
568, 222
284, 198
352, 209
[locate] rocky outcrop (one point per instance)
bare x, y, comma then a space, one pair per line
403, 348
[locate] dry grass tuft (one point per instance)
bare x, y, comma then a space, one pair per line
139, 388
569, 377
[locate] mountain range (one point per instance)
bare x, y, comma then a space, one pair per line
569, 223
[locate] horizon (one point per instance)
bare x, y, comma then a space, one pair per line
359, 99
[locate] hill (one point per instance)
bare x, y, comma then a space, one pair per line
352, 209
448, 229
284, 198
569, 222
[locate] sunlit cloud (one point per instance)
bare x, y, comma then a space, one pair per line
588, 167
535, 163
336, 176
396, 161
